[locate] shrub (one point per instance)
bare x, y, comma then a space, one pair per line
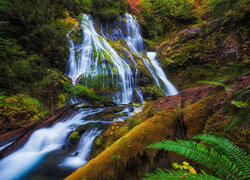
19, 108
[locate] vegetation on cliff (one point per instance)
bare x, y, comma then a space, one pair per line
203, 46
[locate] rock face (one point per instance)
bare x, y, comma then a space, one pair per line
122, 152
210, 51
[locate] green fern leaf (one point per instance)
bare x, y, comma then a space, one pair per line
220, 164
231, 151
227, 88
160, 174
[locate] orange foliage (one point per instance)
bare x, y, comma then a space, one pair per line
68, 21
133, 4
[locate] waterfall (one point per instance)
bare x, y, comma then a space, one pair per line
95, 57
87, 61
135, 43
83, 150
169, 88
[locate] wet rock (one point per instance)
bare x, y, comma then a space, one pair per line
121, 152
107, 114
81, 129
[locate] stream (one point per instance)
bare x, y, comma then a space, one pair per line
46, 154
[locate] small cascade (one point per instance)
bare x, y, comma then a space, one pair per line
40, 143
80, 155
169, 88
133, 39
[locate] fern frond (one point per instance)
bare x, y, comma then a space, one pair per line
242, 94
227, 88
234, 121
231, 151
160, 174
220, 164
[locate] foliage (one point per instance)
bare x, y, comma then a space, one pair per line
177, 175
20, 107
218, 8
160, 14
231, 151
227, 88
32, 39
238, 110
185, 166
108, 9
223, 158
88, 95
52, 87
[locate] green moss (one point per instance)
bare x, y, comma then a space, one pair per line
61, 100
75, 137
108, 114
129, 147
152, 91
190, 58
195, 117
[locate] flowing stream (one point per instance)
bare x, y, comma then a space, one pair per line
44, 155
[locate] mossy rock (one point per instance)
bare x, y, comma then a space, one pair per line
195, 117
85, 106
107, 114
130, 148
75, 137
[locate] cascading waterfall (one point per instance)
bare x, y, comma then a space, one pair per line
169, 88
135, 43
88, 60
95, 57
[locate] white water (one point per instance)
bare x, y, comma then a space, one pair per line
95, 57
83, 149
169, 88
90, 59
135, 43
40, 143
6, 145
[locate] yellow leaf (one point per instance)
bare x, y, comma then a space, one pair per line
185, 163
114, 120
192, 171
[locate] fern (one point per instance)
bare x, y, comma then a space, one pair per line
231, 151
227, 88
160, 174
220, 164
242, 94
234, 121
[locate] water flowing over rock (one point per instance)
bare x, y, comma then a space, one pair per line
93, 59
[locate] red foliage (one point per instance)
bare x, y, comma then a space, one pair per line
132, 4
